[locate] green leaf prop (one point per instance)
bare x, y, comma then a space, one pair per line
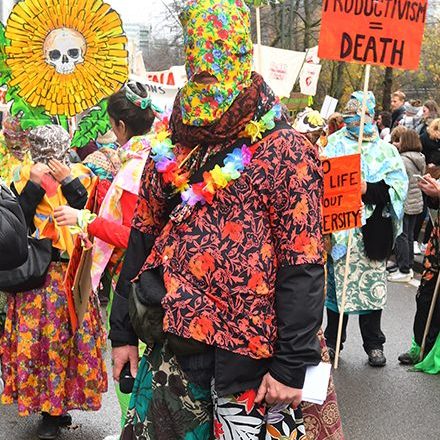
5, 73
30, 117
92, 125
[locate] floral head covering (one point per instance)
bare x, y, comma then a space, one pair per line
49, 142
309, 121
352, 116
16, 138
105, 163
217, 41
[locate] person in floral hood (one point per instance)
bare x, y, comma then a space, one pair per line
227, 256
384, 190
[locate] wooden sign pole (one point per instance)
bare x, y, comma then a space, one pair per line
259, 60
350, 234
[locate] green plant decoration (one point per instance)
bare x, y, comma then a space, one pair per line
95, 123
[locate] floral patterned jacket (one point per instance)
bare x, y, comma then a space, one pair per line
231, 269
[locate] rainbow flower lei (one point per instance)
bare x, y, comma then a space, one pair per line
219, 177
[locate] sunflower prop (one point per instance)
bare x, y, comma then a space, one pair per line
65, 56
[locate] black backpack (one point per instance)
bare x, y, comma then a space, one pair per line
13, 231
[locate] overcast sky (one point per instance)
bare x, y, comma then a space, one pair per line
139, 11
131, 11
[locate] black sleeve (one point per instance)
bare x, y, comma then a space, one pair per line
433, 203
139, 247
299, 308
29, 199
377, 194
75, 193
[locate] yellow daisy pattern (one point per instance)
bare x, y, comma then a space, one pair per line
66, 55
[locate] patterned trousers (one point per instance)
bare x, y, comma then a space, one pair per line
238, 417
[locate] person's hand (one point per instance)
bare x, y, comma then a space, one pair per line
58, 170
430, 186
37, 172
66, 216
122, 355
364, 187
273, 392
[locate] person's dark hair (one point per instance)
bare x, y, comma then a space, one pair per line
409, 141
335, 122
386, 119
433, 108
137, 120
415, 102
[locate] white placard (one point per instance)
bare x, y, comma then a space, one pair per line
309, 78
280, 68
316, 383
328, 107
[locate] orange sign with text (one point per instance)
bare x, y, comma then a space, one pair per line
342, 201
379, 32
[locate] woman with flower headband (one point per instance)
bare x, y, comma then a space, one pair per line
48, 368
226, 251
131, 115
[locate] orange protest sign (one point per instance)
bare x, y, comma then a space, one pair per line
380, 32
342, 201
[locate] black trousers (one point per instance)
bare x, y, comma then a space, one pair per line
372, 335
424, 299
404, 248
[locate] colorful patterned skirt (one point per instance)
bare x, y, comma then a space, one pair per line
166, 406
45, 366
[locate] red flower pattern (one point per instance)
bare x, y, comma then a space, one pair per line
225, 256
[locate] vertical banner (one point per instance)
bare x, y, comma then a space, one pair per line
379, 32
279, 67
342, 202
309, 79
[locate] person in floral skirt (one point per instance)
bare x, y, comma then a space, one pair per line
226, 250
47, 367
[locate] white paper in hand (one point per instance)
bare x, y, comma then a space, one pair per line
316, 383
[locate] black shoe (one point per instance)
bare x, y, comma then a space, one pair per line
49, 427
393, 268
63, 421
407, 359
376, 358
331, 353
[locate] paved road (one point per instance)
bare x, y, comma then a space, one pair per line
376, 404
389, 403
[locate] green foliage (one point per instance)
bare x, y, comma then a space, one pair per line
5, 73
92, 125
30, 117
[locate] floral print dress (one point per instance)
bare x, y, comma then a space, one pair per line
47, 368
